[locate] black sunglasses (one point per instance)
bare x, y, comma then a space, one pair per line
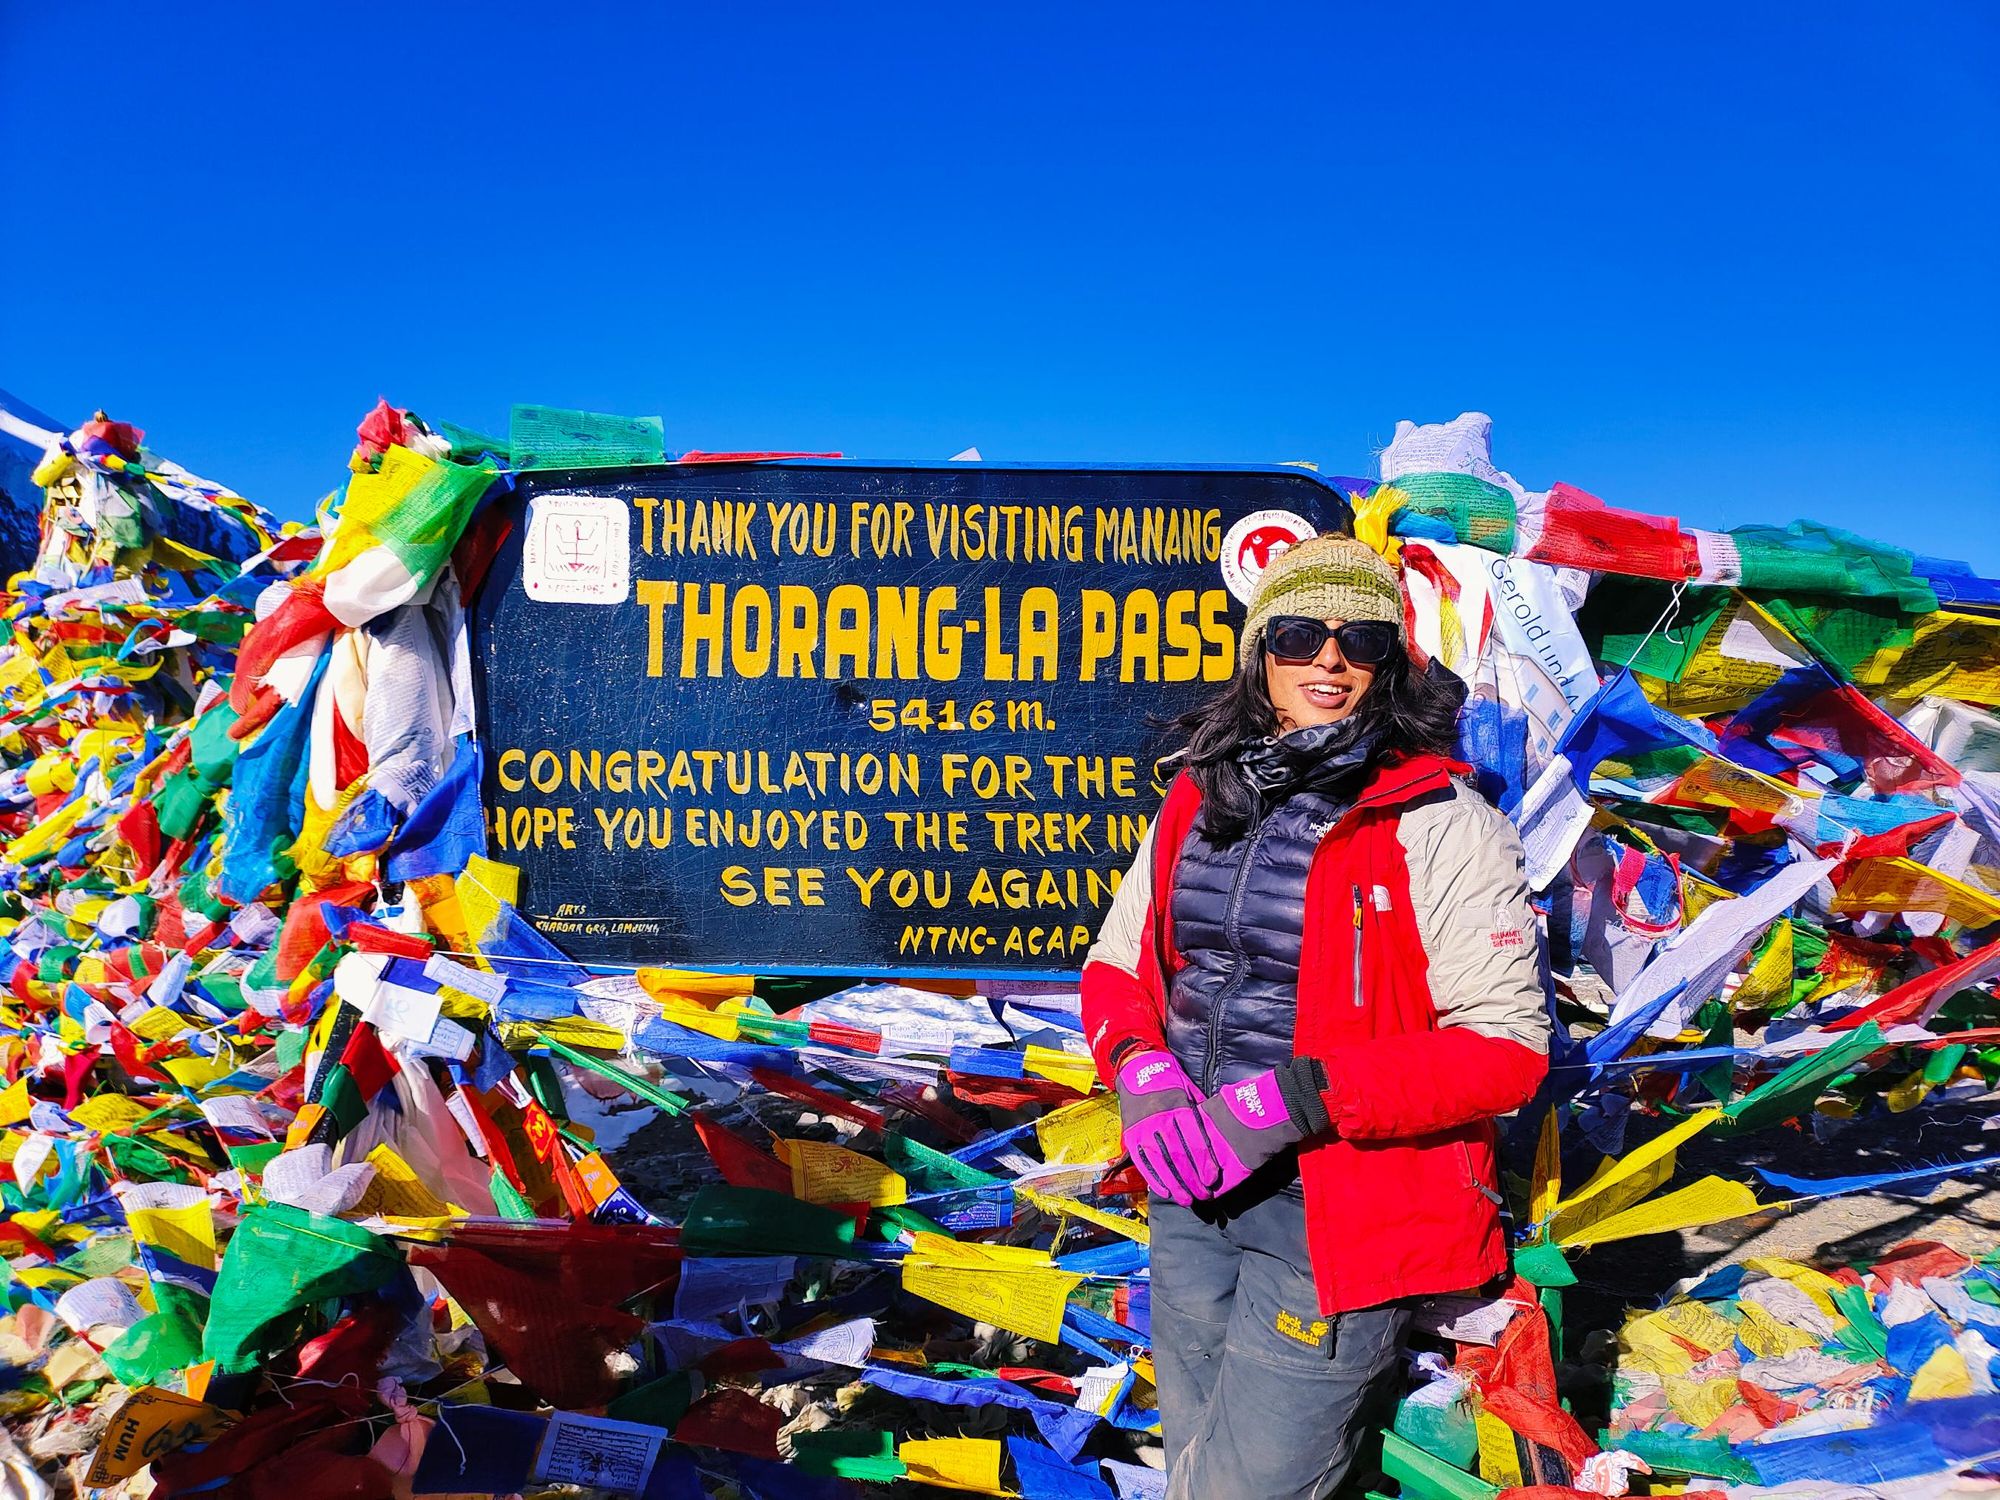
1366, 643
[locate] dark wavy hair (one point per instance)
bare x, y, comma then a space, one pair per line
1407, 710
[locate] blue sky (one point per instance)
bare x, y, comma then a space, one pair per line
1728, 262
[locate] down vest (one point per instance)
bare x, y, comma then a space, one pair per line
1419, 992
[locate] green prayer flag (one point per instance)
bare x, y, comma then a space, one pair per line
1863, 1329
1943, 1063
162, 1342
845, 1453
279, 1262
1477, 512
549, 437
646, 1090
507, 1198
657, 1403
931, 1171
1793, 1091
1544, 1265
1672, 1453
1422, 1474
750, 1221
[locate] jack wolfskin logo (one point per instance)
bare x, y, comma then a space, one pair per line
1292, 1326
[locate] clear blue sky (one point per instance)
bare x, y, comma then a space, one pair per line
1729, 262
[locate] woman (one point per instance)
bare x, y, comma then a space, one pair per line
1316, 988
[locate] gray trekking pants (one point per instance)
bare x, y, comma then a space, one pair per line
1261, 1398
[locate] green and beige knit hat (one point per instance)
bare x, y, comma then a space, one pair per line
1327, 577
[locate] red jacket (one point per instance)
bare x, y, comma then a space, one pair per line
1402, 1198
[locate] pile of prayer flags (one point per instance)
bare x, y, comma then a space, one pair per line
323, 1171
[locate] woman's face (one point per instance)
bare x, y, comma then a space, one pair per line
1325, 690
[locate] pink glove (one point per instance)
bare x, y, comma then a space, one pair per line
1163, 1134
1249, 1122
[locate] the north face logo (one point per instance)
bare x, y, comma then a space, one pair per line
1148, 1073
1250, 1099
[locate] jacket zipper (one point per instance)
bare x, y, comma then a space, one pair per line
1232, 930
1472, 1177
1357, 946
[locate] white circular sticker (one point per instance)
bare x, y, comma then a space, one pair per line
1254, 543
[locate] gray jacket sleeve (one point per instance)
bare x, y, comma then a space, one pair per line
1469, 891
1122, 938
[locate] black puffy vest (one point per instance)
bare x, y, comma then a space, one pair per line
1238, 919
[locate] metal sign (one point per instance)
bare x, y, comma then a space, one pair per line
834, 717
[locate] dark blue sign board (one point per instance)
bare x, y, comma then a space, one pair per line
838, 717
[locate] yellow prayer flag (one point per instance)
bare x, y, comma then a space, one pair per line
691, 985
1499, 1459
150, 1422
991, 1288
943, 1250
571, 1031
1642, 1159
1908, 1094
397, 1189
186, 1233
73, 1362
954, 1463
1715, 782
1815, 1283
1949, 654
481, 888
721, 1025
53, 1278
1698, 1323
1081, 1134
456, 1005
198, 1073
1700, 1402
1372, 514
1055, 1203
159, 1024
372, 496
16, 672
1767, 1336
1632, 1186
1769, 981
1066, 1068
825, 1173
1545, 1189
1943, 1374
1708, 1201
49, 834
108, 1114
179, 1145
1894, 883
15, 1103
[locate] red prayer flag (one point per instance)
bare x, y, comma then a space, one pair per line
547, 1300
1921, 997
733, 1420
741, 1163
368, 1061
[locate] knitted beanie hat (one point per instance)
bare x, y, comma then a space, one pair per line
1329, 577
